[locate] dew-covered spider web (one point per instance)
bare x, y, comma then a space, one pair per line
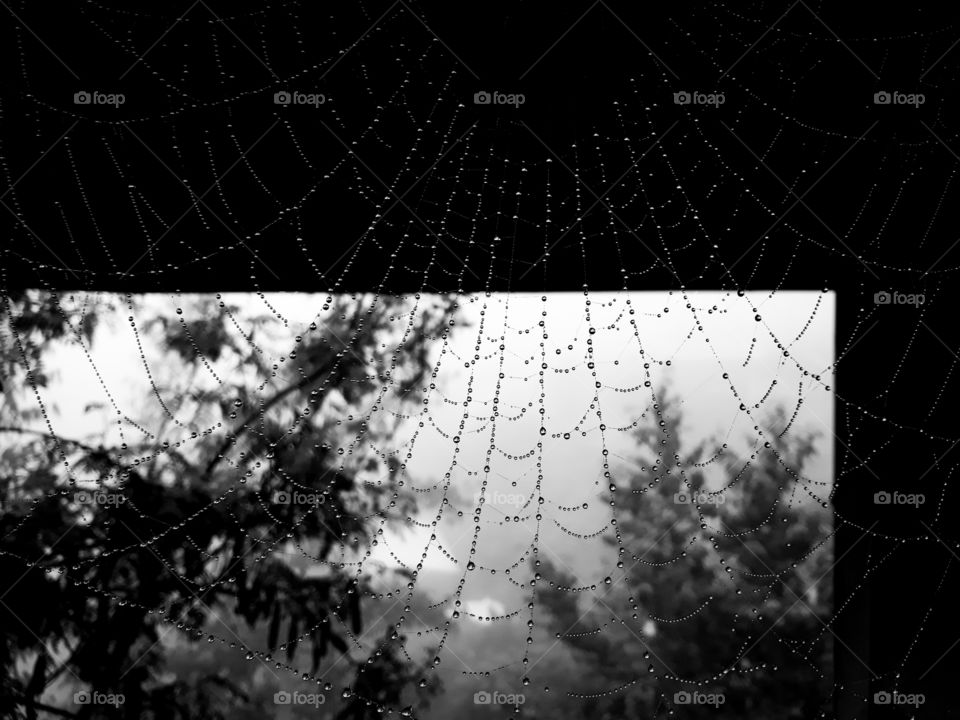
514, 470
429, 482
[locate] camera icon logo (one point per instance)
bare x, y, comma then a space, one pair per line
685, 97
882, 698
482, 698
92, 697
482, 98
84, 97
288, 98
899, 298
682, 698
282, 698
281, 497
898, 97
882, 498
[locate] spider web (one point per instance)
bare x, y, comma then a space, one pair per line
446, 202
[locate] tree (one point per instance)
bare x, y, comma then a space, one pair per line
107, 545
727, 587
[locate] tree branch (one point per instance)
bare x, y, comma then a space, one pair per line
51, 436
249, 419
245, 424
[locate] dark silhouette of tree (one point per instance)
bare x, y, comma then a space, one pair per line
203, 530
736, 584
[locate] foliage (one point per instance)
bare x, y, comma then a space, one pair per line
744, 570
199, 534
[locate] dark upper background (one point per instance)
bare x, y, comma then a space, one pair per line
798, 81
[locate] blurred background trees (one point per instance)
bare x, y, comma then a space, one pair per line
727, 585
247, 497
257, 476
